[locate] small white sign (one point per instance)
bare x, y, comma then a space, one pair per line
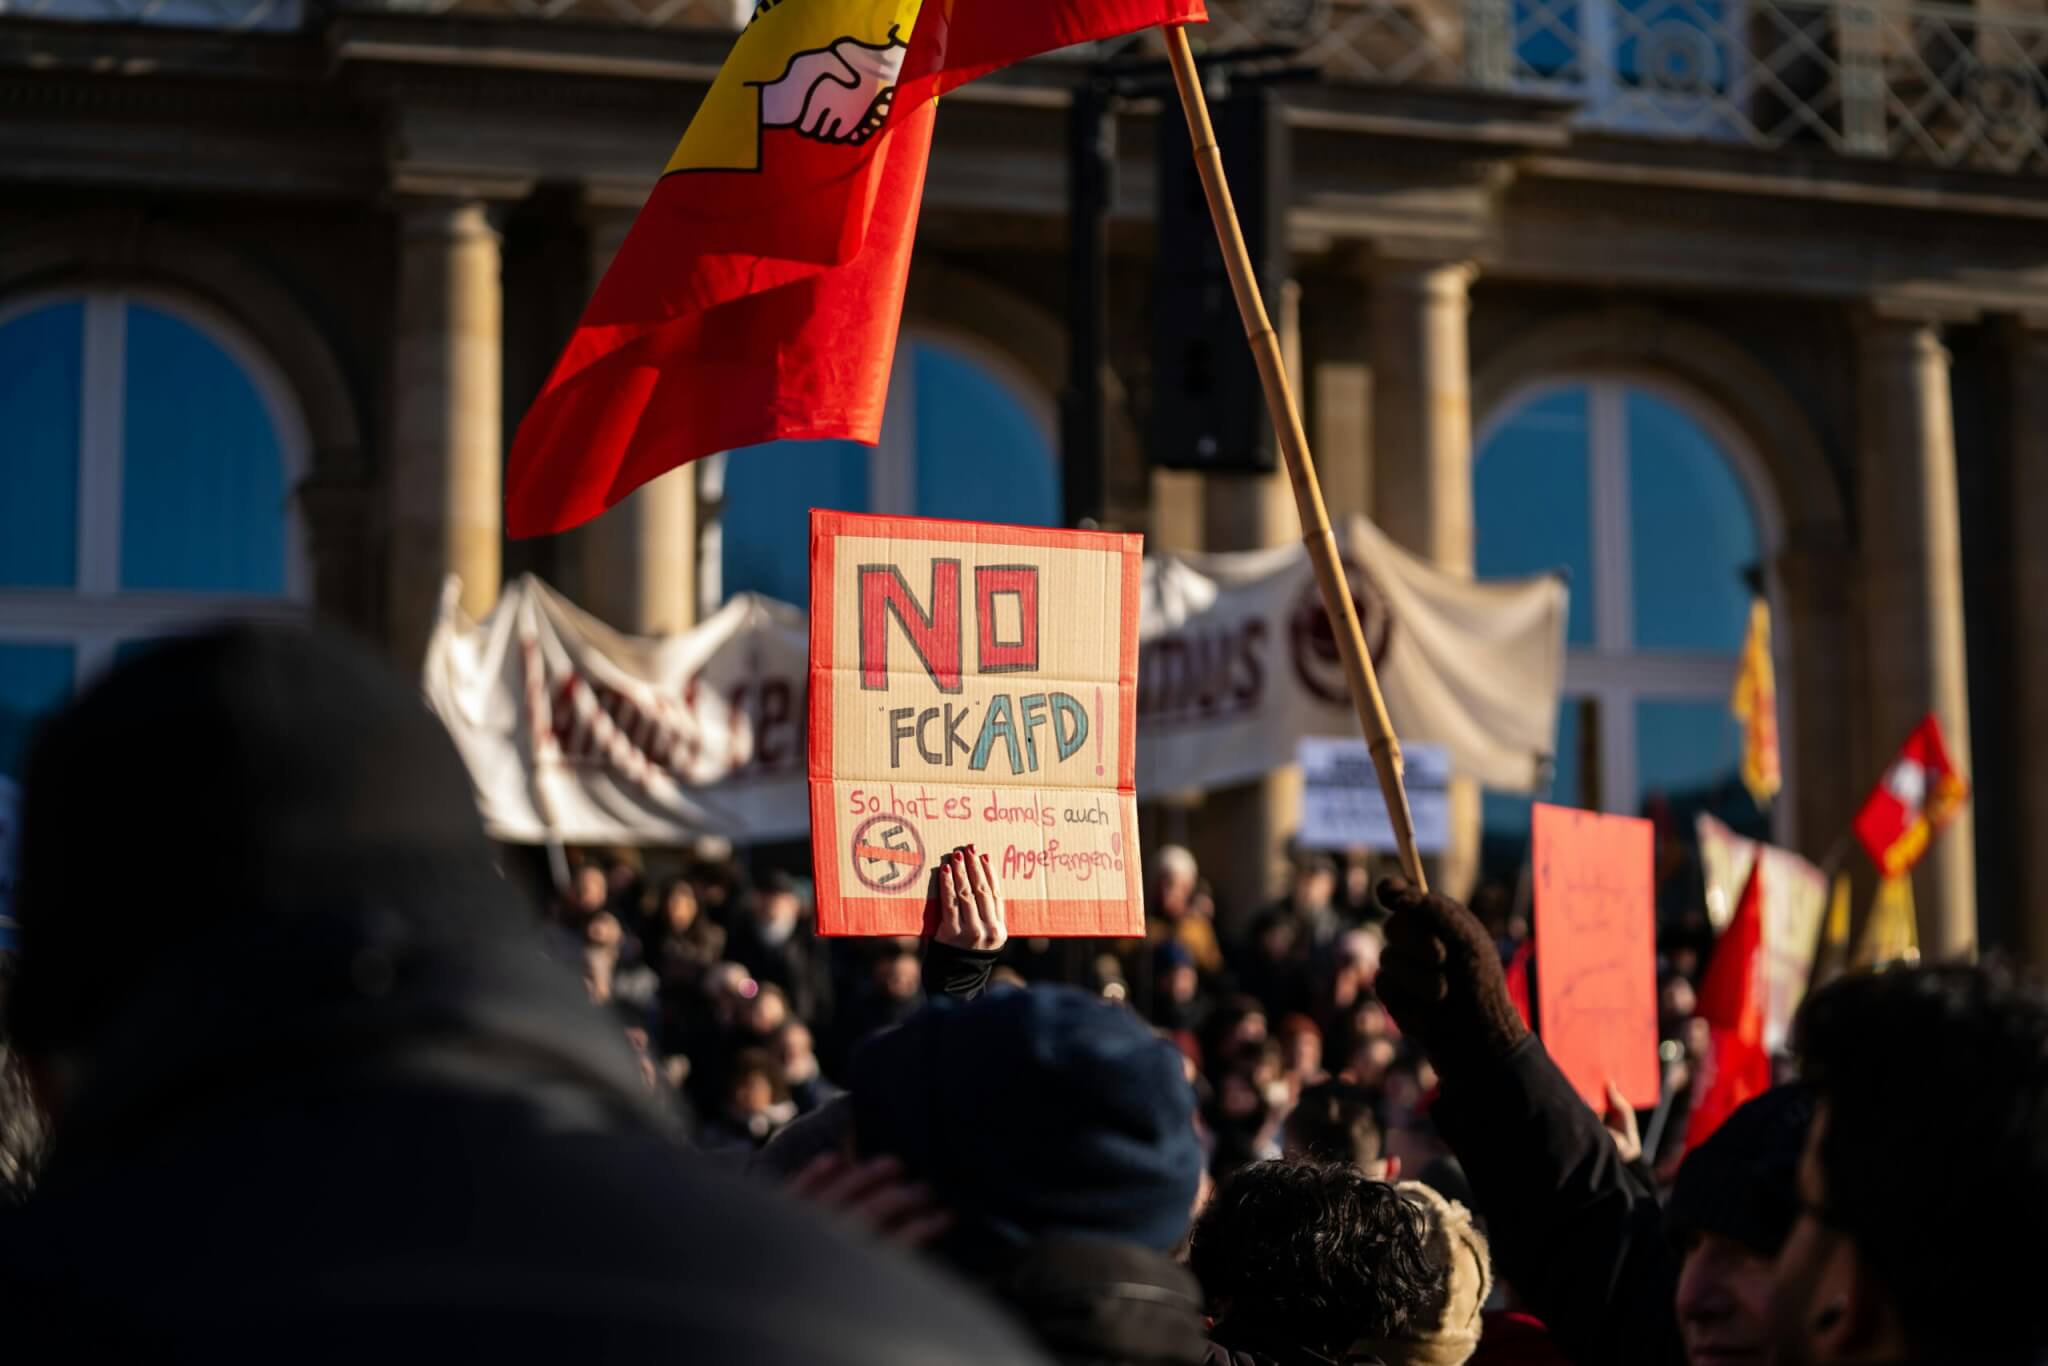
1341, 806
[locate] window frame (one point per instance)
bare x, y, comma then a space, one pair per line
97, 614
1612, 672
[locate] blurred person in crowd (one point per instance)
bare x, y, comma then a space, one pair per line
1274, 965
1354, 889
798, 1060
1055, 1134
774, 942
1181, 910
1338, 1122
1311, 1263
589, 891
1346, 973
1446, 1329
613, 973
1371, 1061
1301, 1051
894, 989
345, 1106
756, 1103
1235, 1029
1311, 902
1884, 1266
761, 1017
684, 943
1179, 1004
1252, 1096
1618, 1279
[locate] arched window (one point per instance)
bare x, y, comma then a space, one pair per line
964, 436
1652, 506
147, 460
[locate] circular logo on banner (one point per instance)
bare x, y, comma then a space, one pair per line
1316, 661
888, 854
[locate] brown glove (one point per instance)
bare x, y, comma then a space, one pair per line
1441, 979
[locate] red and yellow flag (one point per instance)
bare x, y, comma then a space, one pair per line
1755, 704
758, 294
1919, 794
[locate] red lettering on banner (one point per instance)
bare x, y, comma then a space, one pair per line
934, 635
1020, 581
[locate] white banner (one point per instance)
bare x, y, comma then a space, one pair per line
1239, 662
1795, 898
574, 731
1341, 805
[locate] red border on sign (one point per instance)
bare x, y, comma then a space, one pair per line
1037, 918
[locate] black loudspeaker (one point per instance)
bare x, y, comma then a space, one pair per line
1207, 409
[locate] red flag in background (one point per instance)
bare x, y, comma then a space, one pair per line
1737, 1068
758, 294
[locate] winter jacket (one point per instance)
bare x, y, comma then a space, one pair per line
448, 1157
1579, 1235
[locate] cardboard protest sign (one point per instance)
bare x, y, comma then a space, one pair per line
1596, 968
973, 684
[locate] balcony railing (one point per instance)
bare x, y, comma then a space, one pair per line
1951, 85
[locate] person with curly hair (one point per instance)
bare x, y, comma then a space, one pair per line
1305, 1264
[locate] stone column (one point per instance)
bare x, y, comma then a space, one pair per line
1335, 326
1422, 459
1912, 590
638, 562
2027, 369
1242, 832
448, 452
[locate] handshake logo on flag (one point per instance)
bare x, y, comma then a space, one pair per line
840, 93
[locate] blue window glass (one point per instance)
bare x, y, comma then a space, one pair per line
203, 496
769, 493
1692, 532
1685, 752
980, 455
34, 680
42, 371
1548, 39
1532, 503
1505, 815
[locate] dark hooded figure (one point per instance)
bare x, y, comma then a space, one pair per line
336, 1103
1059, 1132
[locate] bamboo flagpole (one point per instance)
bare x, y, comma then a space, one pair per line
1301, 469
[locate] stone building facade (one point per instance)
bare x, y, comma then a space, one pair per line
1535, 245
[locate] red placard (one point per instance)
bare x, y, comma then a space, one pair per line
1596, 954
974, 684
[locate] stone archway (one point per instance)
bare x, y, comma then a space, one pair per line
334, 496
1813, 568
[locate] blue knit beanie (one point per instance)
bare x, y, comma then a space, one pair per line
1036, 1114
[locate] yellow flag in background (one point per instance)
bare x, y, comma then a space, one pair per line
1893, 934
1755, 704
1831, 957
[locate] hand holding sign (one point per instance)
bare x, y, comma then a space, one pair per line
1441, 978
970, 908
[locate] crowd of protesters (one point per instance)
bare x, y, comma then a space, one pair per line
359, 1101
748, 1019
